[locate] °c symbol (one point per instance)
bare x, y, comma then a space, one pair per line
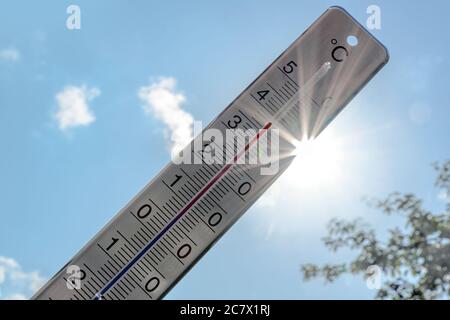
338, 53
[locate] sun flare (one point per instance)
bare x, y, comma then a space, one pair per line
317, 162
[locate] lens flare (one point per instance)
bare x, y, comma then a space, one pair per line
317, 162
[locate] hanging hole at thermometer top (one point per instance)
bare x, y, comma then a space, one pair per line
352, 41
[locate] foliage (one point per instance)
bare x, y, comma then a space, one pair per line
415, 259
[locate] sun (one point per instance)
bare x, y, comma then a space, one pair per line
317, 162
318, 171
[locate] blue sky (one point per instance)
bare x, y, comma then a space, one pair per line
59, 185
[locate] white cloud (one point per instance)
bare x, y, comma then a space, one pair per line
9, 262
162, 101
73, 109
16, 284
10, 54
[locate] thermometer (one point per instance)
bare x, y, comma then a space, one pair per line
160, 234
